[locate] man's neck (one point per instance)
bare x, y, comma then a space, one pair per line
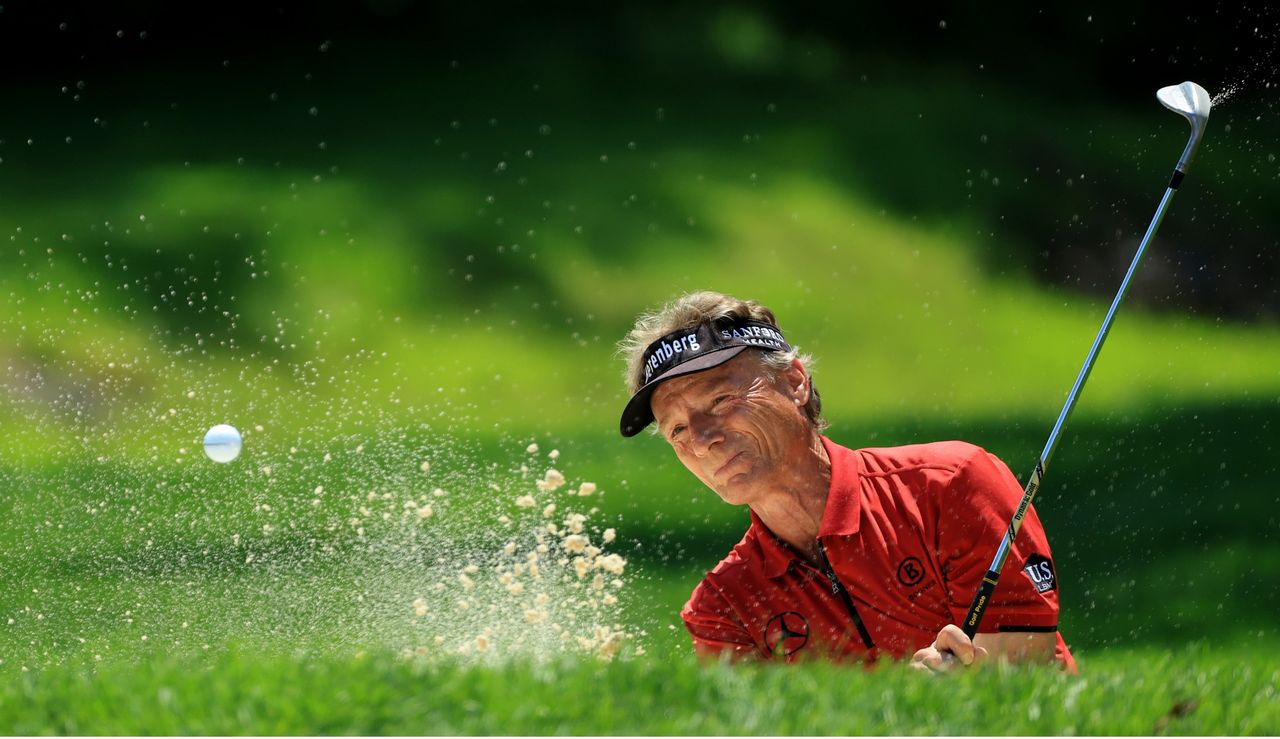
792, 507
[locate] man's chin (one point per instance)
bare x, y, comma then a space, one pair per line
736, 490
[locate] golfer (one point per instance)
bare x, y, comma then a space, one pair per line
851, 554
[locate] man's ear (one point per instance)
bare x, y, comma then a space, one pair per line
797, 382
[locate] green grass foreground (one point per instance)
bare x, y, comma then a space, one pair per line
1195, 690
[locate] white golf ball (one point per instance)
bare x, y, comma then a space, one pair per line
222, 443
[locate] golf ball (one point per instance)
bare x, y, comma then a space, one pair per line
222, 443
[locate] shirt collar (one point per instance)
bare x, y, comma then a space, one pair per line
840, 518
777, 555
843, 500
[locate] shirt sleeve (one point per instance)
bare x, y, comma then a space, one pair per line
974, 513
715, 630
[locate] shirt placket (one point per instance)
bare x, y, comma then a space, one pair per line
839, 590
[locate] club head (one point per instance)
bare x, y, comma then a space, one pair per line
1190, 101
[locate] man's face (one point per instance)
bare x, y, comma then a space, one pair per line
733, 426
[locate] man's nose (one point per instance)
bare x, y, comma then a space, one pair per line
705, 433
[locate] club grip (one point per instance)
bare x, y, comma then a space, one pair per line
980, 602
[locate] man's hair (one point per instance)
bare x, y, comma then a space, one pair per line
694, 309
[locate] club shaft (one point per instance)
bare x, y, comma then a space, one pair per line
1051, 446
983, 597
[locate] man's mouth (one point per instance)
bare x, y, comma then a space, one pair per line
727, 463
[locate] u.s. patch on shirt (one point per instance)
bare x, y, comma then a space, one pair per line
1040, 569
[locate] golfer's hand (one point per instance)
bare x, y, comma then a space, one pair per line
949, 650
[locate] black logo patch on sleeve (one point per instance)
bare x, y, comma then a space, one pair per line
1040, 570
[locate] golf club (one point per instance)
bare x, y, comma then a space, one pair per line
1191, 102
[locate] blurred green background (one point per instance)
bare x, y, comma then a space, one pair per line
423, 229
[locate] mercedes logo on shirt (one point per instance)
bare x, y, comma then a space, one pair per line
786, 634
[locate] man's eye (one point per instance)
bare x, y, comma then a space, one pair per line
676, 431
720, 399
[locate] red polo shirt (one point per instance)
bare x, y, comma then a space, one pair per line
909, 532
